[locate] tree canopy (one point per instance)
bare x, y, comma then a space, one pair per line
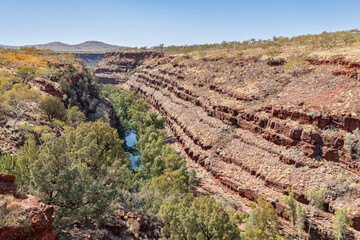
19, 100
26, 73
52, 107
262, 222
197, 218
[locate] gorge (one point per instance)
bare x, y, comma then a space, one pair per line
180, 120
158, 143
250, 128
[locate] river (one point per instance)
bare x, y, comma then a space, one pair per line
130, 141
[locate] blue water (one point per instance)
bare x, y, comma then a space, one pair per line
130, 141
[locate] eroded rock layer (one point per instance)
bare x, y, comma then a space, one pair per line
117, 67
258, 130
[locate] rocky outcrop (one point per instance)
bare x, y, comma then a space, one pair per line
258, 131
40, 216
344, 67
137, 56
7, 184
125, 223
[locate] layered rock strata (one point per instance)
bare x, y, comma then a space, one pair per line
118, 66
259, 131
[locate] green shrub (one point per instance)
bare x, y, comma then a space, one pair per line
297, 65
341, 223
26, 73
290, 202
262, 222
19, 100
197, 218
352, 144
316, 201
64, 85
6, 62
49, 73
72, 172
52, 107
73, 116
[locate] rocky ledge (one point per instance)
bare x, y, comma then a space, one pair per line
39, 216
124, 223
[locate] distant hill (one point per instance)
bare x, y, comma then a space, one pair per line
6, 46
89, 46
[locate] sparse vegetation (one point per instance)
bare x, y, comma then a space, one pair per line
297, 65
277, 45
300, 220
348, 38
262, 222
290, 202
352, 144
341, 223
11, 212
342, 187
316, 201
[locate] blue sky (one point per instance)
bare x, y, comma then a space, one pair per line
152, 22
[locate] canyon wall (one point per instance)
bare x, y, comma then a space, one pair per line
92, 105
90, 59
117, 67
250, 128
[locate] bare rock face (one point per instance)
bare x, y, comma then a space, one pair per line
251, 129
7, 184
40, 216
50, 87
